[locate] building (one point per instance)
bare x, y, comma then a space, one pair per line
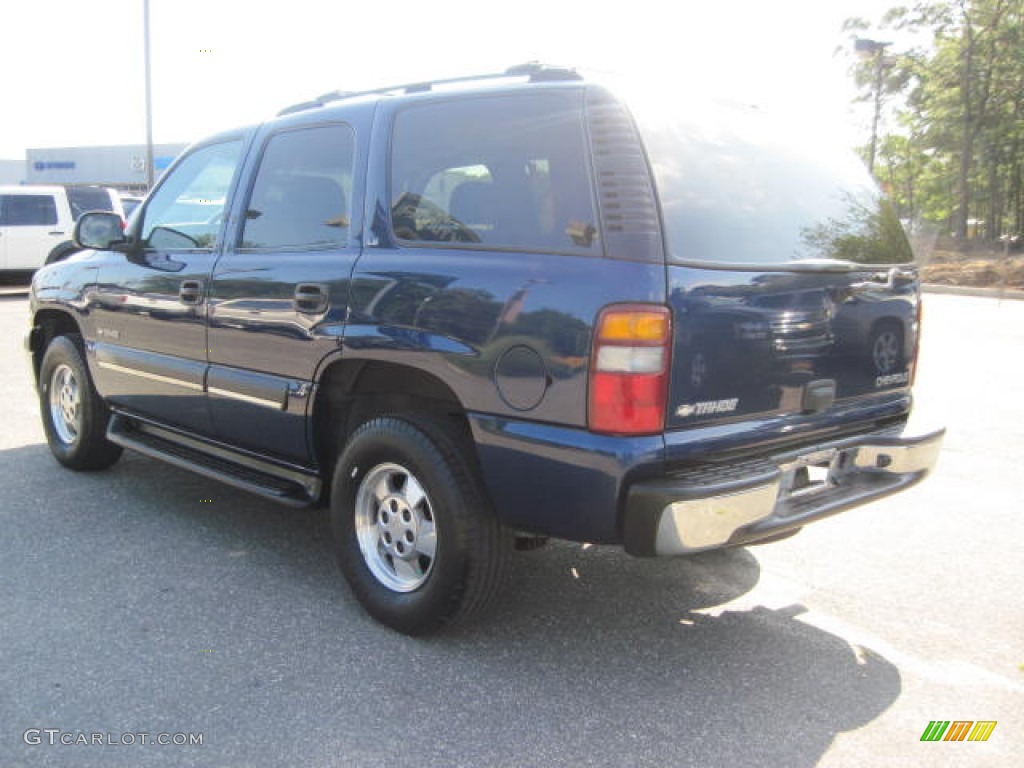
122, 167
12, 172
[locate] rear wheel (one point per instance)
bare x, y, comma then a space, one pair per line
414, 535
74, 416
394, 526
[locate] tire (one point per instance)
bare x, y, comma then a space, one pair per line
414, 535
74, 416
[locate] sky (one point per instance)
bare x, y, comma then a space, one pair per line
73, 71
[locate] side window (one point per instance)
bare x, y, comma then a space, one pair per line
186, 212
502, 172
28, 211
302, 192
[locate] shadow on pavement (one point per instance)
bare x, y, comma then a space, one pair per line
146, 598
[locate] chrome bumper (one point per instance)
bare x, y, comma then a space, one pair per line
729, 504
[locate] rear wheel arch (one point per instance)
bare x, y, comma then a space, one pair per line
353, 392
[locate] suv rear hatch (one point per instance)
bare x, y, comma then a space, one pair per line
789, 276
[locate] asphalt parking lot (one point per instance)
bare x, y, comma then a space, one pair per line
145, 600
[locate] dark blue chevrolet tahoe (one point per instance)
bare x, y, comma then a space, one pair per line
483, 312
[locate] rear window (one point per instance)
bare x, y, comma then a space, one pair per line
505, 172
82, 199
27, 210
735, 189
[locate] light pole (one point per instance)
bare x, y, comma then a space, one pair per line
149, 98
867, 49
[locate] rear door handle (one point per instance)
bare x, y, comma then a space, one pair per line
191, 292
310, 298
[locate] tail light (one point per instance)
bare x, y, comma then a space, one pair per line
629, 370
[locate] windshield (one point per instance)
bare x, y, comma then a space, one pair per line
735, 189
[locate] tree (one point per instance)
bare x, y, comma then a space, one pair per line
955, 149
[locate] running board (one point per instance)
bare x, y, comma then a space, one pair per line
286, 485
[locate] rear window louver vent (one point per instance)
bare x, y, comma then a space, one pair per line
629, 216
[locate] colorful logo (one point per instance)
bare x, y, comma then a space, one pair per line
959, 730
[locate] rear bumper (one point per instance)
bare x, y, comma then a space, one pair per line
716, 505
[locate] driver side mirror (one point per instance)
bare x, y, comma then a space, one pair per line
98, 230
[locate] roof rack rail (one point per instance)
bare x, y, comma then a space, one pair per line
535, 71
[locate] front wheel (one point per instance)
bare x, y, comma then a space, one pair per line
74, 416
414, 536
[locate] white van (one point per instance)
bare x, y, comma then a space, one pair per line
37, 221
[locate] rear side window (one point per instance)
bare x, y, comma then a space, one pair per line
737, 189
303, 191
28, 210
508, 172
82, 199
